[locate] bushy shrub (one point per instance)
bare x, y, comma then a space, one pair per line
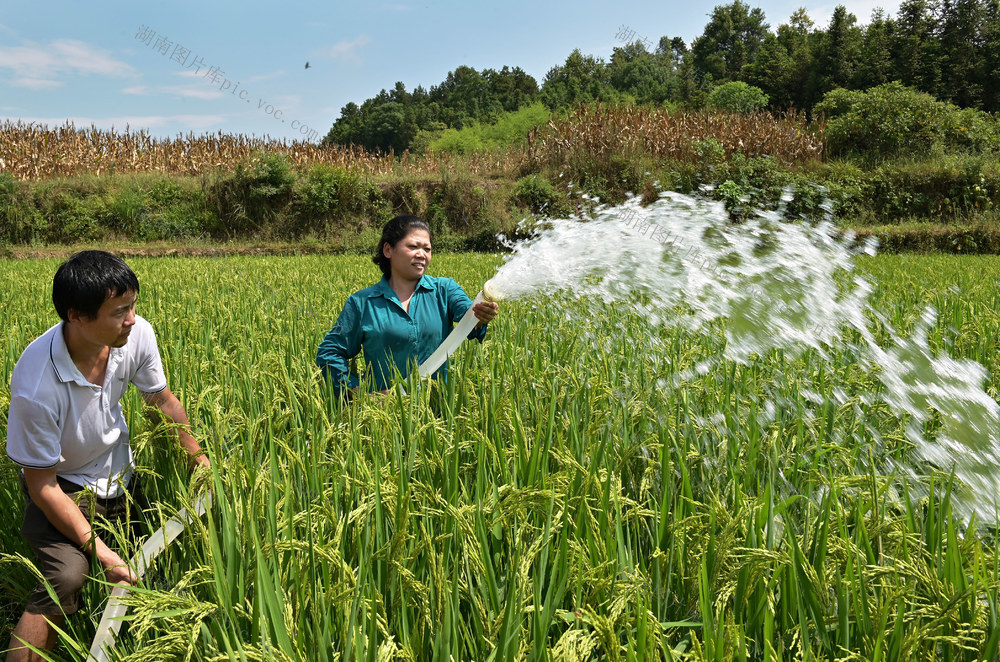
892, 121
509, 129
944, 187
125, 207
948, 188
73, 217
20, 220
971, 129
172, 212
405, 197
536, 193
747, 184
317, 191
969, 240
165, 192
266, 178
710, 151
738, 97
252, 197
846, 187
838, 102
325, 194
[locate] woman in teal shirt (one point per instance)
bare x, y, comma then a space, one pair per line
401, 318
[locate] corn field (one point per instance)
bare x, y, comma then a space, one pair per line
602, 130
556, 499
31, 151
34, 152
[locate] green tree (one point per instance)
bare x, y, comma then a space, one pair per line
737, 97
991, 57
686, 87
783, 65
581, 78
511, 88
961, 51
390, 127
645, 77
347, 129
914, 46
875, 66
839, 51
673, 50
730, 41
465, 97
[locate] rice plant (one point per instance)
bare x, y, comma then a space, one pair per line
579, 489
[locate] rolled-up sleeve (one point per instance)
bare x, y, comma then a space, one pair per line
341, 344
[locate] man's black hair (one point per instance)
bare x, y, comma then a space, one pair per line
395, 230
87, 279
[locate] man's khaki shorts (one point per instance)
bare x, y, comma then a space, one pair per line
62, 563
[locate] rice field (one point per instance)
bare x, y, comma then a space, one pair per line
562, 497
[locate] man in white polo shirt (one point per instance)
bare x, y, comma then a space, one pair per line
66, 430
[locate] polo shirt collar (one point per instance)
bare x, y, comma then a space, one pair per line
63, 364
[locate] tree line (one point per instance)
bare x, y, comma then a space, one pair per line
947, 48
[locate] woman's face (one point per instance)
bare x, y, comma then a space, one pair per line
410, 256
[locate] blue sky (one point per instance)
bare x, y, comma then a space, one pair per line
210, 66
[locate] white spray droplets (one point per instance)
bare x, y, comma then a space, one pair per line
782, 285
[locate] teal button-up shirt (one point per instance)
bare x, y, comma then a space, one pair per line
374, 320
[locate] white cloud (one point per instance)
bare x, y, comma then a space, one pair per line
286, 102
346, 50
90, 59
194, 91
45, 66
35, 83
273, 74
204, 91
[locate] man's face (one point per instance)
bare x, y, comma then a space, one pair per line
113, 323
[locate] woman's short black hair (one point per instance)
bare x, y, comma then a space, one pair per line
87, 279
393, 231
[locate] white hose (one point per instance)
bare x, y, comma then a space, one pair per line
111, 620
451, 343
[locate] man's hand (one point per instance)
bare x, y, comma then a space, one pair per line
116, 571
65, 515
